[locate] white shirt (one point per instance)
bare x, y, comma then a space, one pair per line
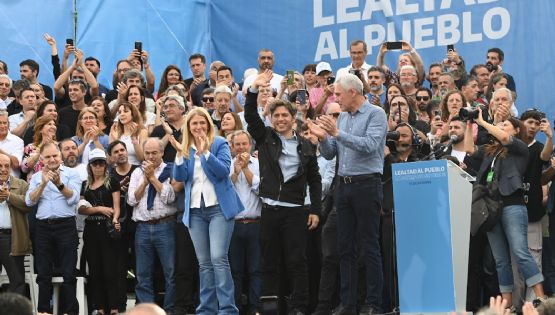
131, 154
275, 82
201, 186
16, 120
460, 155
13, 145
345, 70
164, 204
248, 193
5, 219
4, 103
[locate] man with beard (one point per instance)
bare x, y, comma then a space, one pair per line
423, 100
70, 157
434, 71
121, 171
29, 70
375, 84
398, 151
494, 61
266, 61
445, 83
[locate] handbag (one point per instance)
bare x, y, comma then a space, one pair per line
112, 231
487, 205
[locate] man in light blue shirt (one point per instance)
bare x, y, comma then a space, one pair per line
358, 141
245, 241
55, 191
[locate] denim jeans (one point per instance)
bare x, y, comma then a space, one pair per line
56, 238
245, 255
358, 216
511, 233
150, 239
211, 235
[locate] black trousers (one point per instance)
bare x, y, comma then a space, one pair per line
283, 236
56, 241
103, 255
186, 270
13, 265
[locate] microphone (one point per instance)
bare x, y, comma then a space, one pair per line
452, 139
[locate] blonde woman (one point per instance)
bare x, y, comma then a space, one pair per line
130, 130
211, 203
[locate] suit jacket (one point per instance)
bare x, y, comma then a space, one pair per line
216, 167
509, 170
21, 240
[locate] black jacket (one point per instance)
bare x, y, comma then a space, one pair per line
271, 178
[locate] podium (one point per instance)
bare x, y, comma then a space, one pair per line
432, 227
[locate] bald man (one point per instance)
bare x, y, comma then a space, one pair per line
146, 309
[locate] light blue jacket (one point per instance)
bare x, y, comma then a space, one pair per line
216, 167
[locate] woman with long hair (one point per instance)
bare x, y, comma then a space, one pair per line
497, 81
172, 75
231, 122
211, 203
45, 132
505, 159
47, 108
100, 236
136, 96
130, 130
392, 90
103, 113
88, 134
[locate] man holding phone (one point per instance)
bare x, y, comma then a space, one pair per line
358, 51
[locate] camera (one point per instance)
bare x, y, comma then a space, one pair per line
393, 135
468, 113
491, 67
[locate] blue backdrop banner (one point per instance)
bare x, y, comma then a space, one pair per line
299, 32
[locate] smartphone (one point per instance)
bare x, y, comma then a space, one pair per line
355, 72
394, 45
450, 48
69, 41
437, 112
331, 80
139, 46
301, 96
290, 77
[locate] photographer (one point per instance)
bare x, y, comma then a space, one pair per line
399, 150
504, 160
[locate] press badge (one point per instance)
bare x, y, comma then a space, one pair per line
489, 179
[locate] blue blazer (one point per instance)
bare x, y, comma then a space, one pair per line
216, 168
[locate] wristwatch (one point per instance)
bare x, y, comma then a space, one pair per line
61, 187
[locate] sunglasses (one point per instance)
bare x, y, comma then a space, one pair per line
422, 98
98, 163
335, 115
208, 99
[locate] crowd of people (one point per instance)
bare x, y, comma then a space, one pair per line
269, 195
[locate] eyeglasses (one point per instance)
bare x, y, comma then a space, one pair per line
208, 99
422, 98
6, 84
88, 118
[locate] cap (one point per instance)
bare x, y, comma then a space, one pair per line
97, 154
322, 66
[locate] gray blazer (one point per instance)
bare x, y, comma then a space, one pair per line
509, 170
